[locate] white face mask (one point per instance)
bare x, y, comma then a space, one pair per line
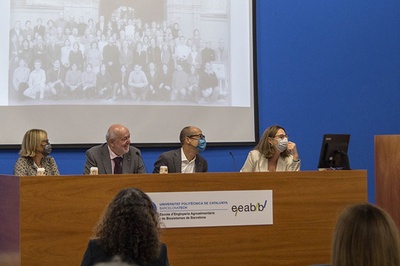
282, 144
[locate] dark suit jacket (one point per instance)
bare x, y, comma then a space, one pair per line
173, 160
99, 157
95, 254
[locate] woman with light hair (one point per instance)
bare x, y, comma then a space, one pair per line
34, 154
365, 235
274, 152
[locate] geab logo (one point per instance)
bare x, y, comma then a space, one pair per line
249, 207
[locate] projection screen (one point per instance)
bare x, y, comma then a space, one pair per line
76, 67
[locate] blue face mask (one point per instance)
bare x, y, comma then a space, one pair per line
201, 145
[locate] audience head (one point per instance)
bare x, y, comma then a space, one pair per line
130, 227
269, 141
365, 235
34, 143
118, 138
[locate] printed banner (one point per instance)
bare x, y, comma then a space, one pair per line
214, 208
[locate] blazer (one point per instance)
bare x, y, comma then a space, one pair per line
99, 156
25, 166
255, 162
173, 160
95, 254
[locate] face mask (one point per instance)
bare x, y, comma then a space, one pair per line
47, 149
201, 146
282, 144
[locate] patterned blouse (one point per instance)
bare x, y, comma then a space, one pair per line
25, 166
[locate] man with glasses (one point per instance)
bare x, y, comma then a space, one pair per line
185, 159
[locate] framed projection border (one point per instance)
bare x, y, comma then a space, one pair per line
74, 68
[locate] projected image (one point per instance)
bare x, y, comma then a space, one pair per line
126, 52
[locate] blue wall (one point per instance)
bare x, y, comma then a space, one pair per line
323, 67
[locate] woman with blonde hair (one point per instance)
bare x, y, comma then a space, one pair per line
34, 154
365, 235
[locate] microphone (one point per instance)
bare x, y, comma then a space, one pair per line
234, 161
140, 156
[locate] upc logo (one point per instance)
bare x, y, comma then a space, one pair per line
249, 207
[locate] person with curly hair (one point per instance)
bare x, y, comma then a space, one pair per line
129, 232
274, 152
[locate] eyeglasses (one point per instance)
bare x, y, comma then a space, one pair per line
281, 136
200, 136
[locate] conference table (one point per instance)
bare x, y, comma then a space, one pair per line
48, 220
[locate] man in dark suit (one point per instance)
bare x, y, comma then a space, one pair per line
39, 29
116, 156
187, 158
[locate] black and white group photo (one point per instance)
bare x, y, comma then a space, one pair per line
129, 52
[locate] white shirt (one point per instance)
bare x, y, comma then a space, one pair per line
187, 166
